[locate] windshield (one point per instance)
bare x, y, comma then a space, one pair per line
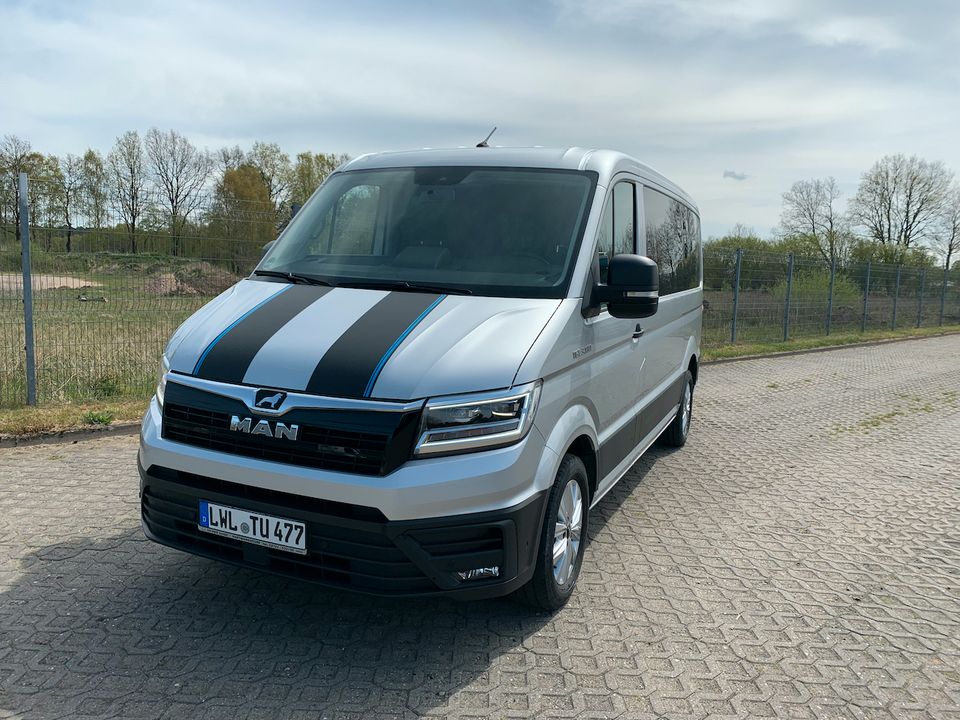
486, 231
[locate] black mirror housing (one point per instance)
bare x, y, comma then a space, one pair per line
266, 248
632, 289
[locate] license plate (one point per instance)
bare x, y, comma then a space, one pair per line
253, 527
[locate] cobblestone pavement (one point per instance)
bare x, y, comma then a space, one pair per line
799, 558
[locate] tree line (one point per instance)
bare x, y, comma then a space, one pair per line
906, 210
159, 193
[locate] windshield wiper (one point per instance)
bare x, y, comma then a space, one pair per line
405, 286
294, 277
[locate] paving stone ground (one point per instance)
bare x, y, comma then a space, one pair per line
800, 558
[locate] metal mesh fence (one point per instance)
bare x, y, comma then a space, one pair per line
111, 283
110, 286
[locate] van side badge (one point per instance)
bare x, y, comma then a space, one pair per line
580, 352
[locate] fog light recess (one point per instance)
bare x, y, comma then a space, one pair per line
484, 573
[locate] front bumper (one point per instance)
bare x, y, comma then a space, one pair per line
425, 488
351, 546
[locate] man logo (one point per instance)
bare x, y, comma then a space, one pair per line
279, 430
271, 401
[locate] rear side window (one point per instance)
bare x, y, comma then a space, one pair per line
673, 241
617, 228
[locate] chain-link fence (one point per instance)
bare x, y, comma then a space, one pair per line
769, 297
111, 280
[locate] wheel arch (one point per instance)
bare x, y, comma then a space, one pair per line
584, 448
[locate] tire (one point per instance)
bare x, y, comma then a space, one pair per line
552, 583
677, 431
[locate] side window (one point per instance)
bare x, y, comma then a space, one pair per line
351, 224
673, 241
617, 234
624, 212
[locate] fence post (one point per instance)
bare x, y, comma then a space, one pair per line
943, 293
29, 349
736, 296
923, 279
786, 304
866, 296
896, 297
833, 276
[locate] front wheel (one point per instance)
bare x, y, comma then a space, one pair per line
677, 431
562, 539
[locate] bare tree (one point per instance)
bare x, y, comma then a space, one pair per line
16, 156
275, 171
228, 158
68, 195
946, 239
900, 200
809, 210
180, 170
128, 179
94, 189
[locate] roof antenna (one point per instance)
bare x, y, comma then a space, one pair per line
483, 143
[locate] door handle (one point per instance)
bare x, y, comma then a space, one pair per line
638, 332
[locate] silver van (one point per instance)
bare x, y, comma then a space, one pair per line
435, 372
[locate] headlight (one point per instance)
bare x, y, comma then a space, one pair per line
490, 420
162, 379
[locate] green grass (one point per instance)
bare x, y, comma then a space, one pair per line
723, 352
68, 416
99, 417
910, 405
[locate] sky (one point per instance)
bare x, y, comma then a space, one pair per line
733, 100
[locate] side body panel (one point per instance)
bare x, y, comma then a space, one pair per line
585, 363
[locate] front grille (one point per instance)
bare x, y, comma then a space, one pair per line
347, 545
350, 441
361, 453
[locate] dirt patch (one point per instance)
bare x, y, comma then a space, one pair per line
12, 283
167, 284
202, 278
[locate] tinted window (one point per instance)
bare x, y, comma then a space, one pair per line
617, 234
350, 225
624, 212
492, 231
673, 241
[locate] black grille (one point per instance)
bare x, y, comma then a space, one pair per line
347, 545
351, 441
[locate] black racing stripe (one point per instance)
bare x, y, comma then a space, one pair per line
347, 366
230, 356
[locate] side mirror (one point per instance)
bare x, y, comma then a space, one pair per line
632, 289
266, 248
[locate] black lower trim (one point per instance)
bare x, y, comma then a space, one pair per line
619, 445
658, 409
351, 546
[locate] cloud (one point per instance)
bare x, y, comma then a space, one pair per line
734, 175
814, 21
787, 89
868, 32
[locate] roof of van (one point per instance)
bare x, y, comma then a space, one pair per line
604, 162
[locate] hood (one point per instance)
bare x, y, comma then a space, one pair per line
347, 342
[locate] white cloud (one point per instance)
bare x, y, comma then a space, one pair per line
868, 32
740, 97
820, 24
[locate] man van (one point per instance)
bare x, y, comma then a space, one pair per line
436, 371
